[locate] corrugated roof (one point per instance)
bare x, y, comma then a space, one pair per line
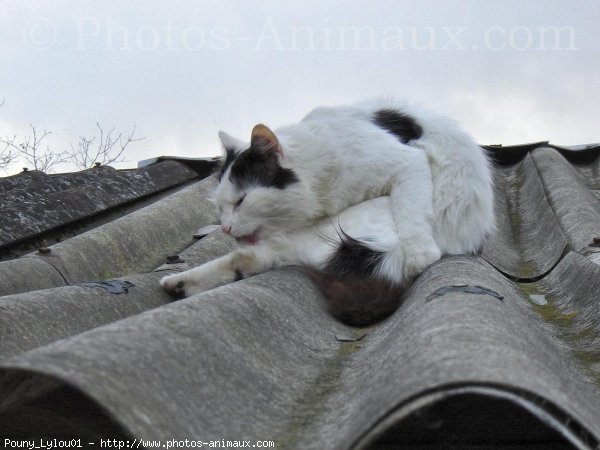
492, 351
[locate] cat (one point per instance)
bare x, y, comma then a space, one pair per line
337, 262
300, 180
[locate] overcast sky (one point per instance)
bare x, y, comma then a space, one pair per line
508, 71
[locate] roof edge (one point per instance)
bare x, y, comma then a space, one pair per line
512, 154
545, 411
202, 166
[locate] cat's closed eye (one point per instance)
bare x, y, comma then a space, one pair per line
239, 202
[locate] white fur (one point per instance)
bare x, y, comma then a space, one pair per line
439, 187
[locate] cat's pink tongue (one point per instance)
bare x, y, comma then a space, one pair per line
249, 239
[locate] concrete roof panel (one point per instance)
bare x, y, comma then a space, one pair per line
525, 221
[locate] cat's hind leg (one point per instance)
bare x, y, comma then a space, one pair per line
411, 198
232, 267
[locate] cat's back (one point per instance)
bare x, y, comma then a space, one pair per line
349, 129
365, 111
360, 112
371, 123
378, 113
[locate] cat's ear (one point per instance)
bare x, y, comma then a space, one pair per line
231, 144
264, 139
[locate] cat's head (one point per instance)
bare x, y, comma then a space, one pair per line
257, 195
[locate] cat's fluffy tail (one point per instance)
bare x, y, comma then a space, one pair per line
356, 296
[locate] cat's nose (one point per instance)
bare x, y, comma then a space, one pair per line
226, 229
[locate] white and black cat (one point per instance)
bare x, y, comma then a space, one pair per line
367, 195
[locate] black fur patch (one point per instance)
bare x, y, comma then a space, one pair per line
403, 126
354, 295
238, 275
229, 157
352, 258
256, 166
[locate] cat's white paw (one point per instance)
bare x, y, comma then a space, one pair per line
174, 285
181, 285
407, 259
418, 257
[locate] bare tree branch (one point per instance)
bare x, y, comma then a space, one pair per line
41, 159
7, 154
105, 148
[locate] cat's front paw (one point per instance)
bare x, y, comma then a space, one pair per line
174, 286
181, 285
418, 258
407, 260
